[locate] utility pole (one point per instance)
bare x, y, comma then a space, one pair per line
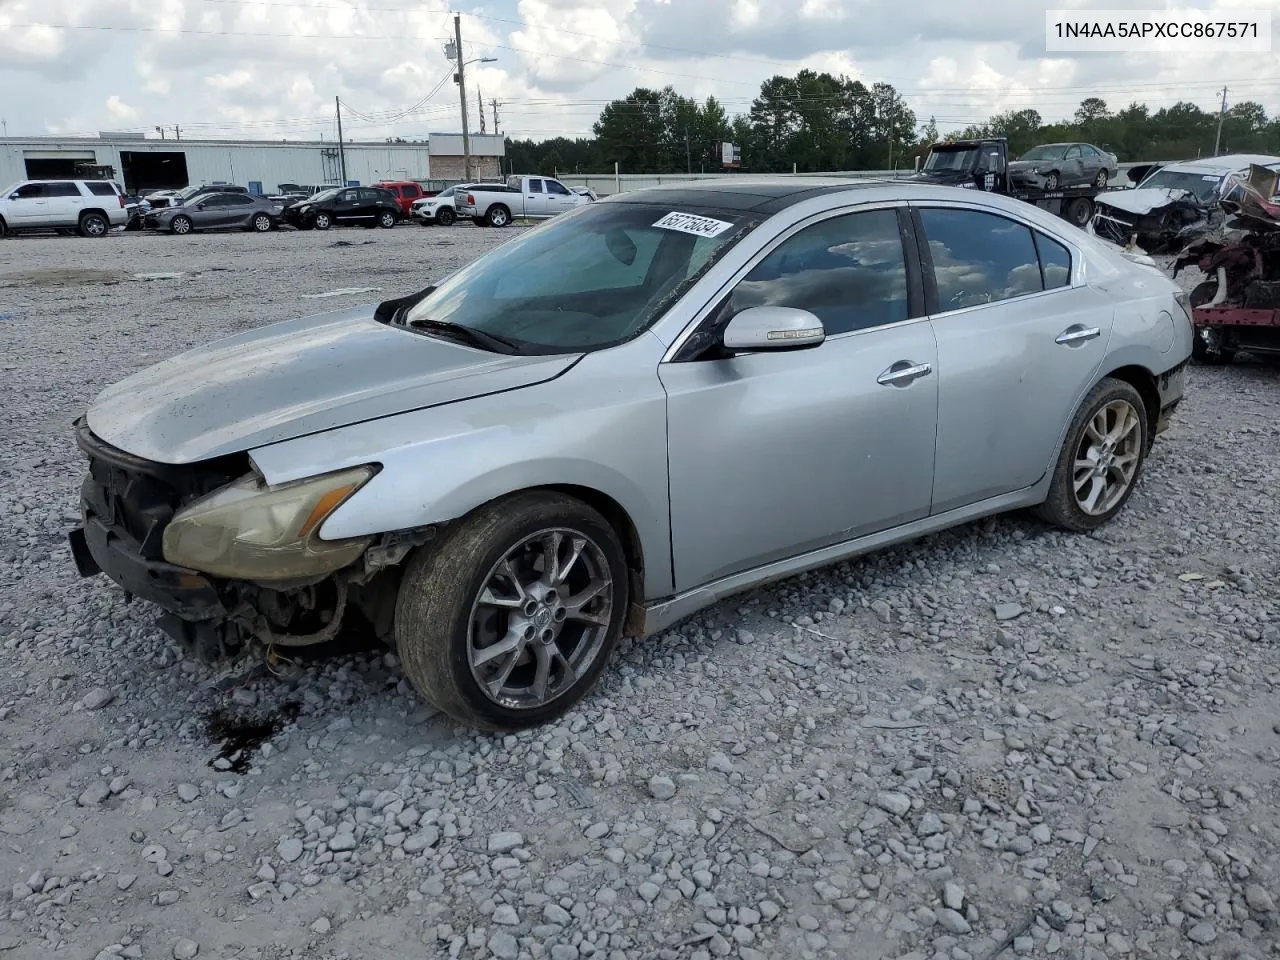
688, 157
462, 97
5, 123
342, 153
480, 108
494, 102
1221, 113
177, 132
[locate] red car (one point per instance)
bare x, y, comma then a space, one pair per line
405, 192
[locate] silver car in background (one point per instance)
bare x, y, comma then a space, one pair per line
625, 414
217, 211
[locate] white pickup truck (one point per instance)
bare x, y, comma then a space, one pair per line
497, 204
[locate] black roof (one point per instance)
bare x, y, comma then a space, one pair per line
763, 196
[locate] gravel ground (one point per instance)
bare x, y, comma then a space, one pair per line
999, 741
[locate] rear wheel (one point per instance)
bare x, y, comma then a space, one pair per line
509, 618
1102, 179
94, 225
386, 219
4, 228
1079, 210
446, 217
498, 216
262, 223
1101, 459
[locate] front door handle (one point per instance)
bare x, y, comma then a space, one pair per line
904, 372
1077, 334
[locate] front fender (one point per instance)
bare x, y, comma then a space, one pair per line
602, 426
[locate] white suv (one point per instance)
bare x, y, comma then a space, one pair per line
90, 207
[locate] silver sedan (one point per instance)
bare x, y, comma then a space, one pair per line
219, 211
624, 415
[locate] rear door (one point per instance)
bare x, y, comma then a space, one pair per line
65, 201
236, 210
535, 198
1020, 340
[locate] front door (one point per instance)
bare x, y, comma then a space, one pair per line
1019, 343
29, 204
559, 197
1073, 168
775, 454
347, 207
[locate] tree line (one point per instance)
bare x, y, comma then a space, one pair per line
814, 122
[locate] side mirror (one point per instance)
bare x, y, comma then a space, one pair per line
773, 328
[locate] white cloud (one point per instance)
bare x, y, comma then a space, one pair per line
272, 68
119, 110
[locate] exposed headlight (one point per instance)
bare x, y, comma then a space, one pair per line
250, 531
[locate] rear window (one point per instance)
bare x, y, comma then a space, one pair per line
100, 188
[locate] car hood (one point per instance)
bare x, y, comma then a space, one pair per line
1143, 201
297, 377
1028, 164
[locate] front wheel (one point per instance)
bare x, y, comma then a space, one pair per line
509, 617
180, 225
1101, 459
386, 219
323, 221
1051, 181
445, 217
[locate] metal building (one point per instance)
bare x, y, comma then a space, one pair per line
143, 164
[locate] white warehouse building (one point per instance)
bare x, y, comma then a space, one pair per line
142, 164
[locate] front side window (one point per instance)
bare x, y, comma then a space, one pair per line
589, 279
848, 271
31, 191
979, 257
555, 186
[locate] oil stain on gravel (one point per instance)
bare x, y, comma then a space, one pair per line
238, 736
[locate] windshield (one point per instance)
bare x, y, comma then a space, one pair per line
954, 159
586, 280
325, 194
1203, 185
186, 193
1049, 152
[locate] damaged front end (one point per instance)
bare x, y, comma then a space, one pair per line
1163, 223
129, 507
1237, 306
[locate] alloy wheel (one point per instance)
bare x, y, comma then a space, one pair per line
1107, 458
541, 619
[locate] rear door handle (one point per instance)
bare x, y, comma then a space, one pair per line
904, 372
1077, 334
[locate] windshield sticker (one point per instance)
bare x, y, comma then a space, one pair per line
688, 223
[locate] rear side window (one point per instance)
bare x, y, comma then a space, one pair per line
848, 271
979, 258
1055, 262
101, 188
535, 186
61, 189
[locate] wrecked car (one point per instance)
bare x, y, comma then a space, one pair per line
1172, 205
623, 415
1237, 306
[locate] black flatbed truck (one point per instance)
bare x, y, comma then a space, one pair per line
983, 164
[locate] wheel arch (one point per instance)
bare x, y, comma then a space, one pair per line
98, 210
1144, 381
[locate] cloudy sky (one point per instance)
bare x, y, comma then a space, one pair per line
271, 68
